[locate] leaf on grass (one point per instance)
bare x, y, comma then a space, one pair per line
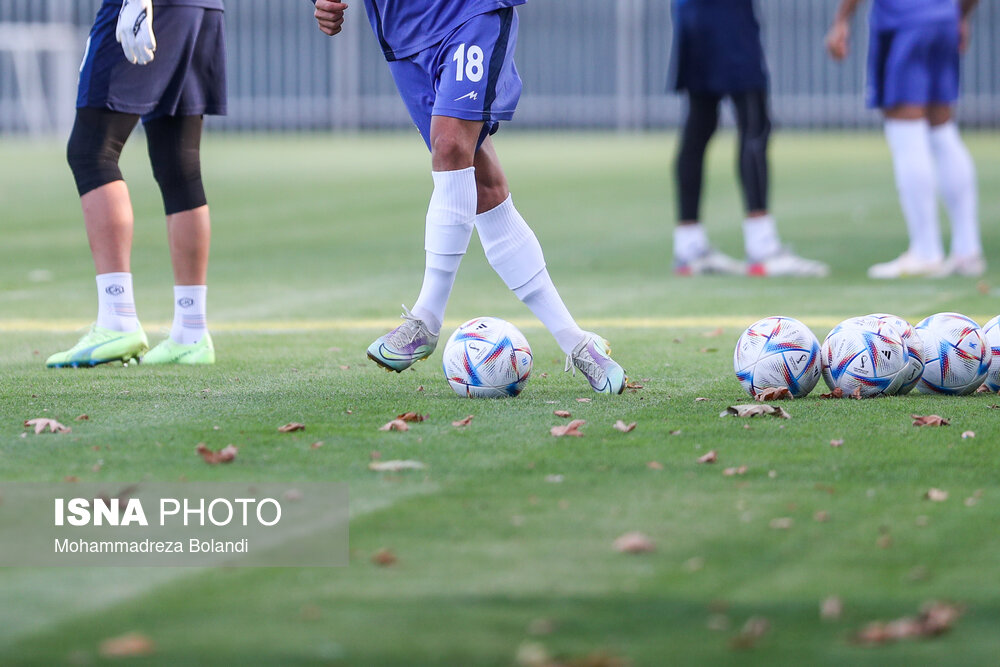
831, 608
936, 495
384, 558
968, 434
934, 620
708, 350
584, 400
837, 443
463, 422
43, 423
654, 465
634, 386
554, 479
781, 523
929, 420
623, 427
291, 427
129, 645
821, 516
566, 414
731, 472
675, 432
836, 393
570, 429
224, 455
317, 444
412, 417
714, 333
710, 457
634, 543
753, 410
396, 465
82, 418
755, 628
700, 399
773, 394
395, 425
856, 394
983, 389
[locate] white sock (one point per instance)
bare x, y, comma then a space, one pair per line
450, 219
189, 314
116, 302
515, 254
957, 182
760, 238
910, 144
690, 242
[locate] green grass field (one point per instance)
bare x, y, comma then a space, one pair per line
317, 242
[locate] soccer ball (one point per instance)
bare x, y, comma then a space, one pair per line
777, 352
487, 358
866, 354
956, 355
991, 332
915, 367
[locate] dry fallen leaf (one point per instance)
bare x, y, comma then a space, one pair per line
730, 472
837, 443
831, 608
935, 619
821, 516
82, 418
781, 523
623, 427
224, 455
43, 423
714, 333
395, 425
634, 543
753, 410
291, 427
412, 417
773, 394
317, 444
584, 400
570, 429
675, 432
936, 495
395, 465
700, 399
708, 350
968, 434
563, 413
633, 386
929, 420
384, 558
463, 422
836, 393
755, 628
654, 465
710, 457
130, 645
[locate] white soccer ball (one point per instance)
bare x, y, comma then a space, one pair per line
956, 355
777, 352
865, 354
487, 358
991, 332
915, 347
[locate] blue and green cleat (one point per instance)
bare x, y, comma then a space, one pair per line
169, 352
593, 357
405, 345
102, 346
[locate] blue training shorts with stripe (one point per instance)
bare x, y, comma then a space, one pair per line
915, 65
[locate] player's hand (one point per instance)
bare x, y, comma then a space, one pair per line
135, 31
837, 40
330, 16
964, 36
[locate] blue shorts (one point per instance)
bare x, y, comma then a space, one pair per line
469, 75
917, 65
186, 78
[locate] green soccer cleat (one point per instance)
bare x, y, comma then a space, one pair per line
593, 357
405, 345
102, 346
169, 352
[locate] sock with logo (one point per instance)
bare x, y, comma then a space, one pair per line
189, 314
116, 302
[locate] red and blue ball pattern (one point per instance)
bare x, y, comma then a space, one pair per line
956, 355
487, 357
777, 352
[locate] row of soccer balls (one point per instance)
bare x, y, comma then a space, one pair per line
876, 355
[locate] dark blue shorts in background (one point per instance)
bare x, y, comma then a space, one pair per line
186, 78
717, 47
915, 65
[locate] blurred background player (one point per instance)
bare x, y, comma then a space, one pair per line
913, 74
453, 63
125, 77
717, 53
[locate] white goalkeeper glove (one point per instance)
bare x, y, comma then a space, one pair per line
135, 31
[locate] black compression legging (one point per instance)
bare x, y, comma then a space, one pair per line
754, 128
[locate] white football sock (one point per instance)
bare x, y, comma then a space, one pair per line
189, 314
116, 302
690, 242
760, 238
957, 181
450, 219
515, 254
910, 144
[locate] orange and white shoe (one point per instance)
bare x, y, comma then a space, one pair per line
786, 264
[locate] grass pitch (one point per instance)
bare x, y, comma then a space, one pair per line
506, 539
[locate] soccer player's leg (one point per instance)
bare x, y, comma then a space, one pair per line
693, 254
174, 152
900, 86
765, 253
93, 152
